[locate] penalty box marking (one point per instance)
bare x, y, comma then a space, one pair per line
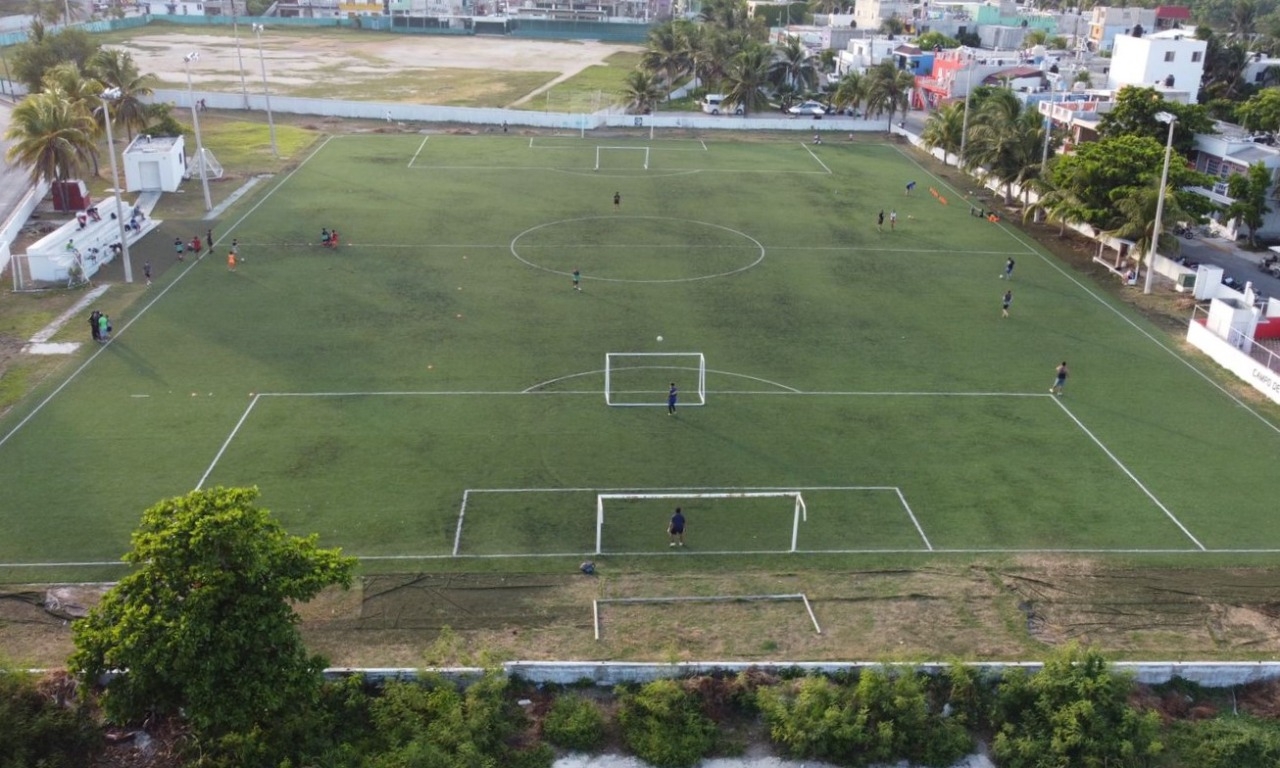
466, 495
462, 511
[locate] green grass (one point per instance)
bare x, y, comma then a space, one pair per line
442, 353
592, 89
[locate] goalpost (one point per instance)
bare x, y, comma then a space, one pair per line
630, 379
800, 512
645, 150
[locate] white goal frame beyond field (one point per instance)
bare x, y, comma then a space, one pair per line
599, 149
609, 368
799, 512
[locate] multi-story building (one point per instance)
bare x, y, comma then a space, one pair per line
1226, 153
1171, 61
1107, 22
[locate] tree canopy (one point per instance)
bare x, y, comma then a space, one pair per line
204, 626
1134, 114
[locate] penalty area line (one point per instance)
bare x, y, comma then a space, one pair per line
415, 154
816, 158
226, 443
1130, 475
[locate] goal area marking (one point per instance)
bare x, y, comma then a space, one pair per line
800, 512
600, 150
802, 597
643, 362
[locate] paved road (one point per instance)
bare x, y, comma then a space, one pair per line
1239, 264
14, 181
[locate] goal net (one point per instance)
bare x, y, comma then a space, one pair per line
800, 513
632, 156
644, 378
212, 168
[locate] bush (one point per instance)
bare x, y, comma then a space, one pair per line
1074, 712
881, 719
574, 723
664, 726
38, 731
1226, 742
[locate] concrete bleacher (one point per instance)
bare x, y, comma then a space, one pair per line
52, 257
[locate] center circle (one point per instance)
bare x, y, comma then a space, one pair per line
637, 249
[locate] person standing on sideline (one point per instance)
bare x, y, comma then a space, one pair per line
911, 186
195, 245
893, 220
675, 529
177, 247
208, 239
231, 261
93, 325
577, 279
1005, 302
235, 248
1060, 379
146, 271
1008, 269
671, 399
617, 200
104, 327
880, 221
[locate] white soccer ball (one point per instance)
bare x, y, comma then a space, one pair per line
659, 338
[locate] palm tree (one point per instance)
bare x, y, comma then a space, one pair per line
944, 128
51, 137
116, 69
851, 91
794, 66
747, 76
1056, 204
84, 94
1136, 217
1006, 140
663, 56
695, 43
642, 91
889, 89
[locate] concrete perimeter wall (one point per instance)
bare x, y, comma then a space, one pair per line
1222, 674
494, 117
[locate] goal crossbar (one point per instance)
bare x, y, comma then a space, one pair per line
600, 149
800, 511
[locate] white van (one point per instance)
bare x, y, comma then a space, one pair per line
714, 104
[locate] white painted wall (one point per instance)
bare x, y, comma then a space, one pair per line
1142, 61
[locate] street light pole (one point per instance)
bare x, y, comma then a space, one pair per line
108, 96
235, 31
964, 124
195, 120
271, 123
1172, 120
1048, 125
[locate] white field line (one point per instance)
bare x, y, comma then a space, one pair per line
462, 513
415, 154
1131, 476
594, 392
1096, 297
914, 521
226, 443
816, 158
74, 374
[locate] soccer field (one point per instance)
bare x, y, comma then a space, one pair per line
436, 390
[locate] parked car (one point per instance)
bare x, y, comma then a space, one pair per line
815, 108
714, 104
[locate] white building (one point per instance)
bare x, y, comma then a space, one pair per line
862, 54
154, 164
1107, 23
1172, 61
870, 14
1255, 72
1224, 154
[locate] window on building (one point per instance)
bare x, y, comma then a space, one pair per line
1196, 56
1213, 166
1168, 55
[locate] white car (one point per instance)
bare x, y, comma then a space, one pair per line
815, 108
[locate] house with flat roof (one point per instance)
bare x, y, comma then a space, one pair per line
1230, 151
1172, 61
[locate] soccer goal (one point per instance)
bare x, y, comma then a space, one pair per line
643, 378
800, 513
601, 150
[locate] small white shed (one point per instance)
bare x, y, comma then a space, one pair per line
154, 164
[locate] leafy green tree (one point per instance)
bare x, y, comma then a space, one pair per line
851, 91
161, 122
892, 26
1035, 37
52, 138
574, 722
204, 626
664, 56
1262, 111
1135, 217
930, 40
116, 69
1005, 139
1225, 742
1134, 114
1057, 43
43, 51
1055, 204
37, 730
1251, 191
1073, 713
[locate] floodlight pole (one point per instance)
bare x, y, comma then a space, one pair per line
1048, 124
266, 94
235, 31
108, 96
195, 120
1172, 120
